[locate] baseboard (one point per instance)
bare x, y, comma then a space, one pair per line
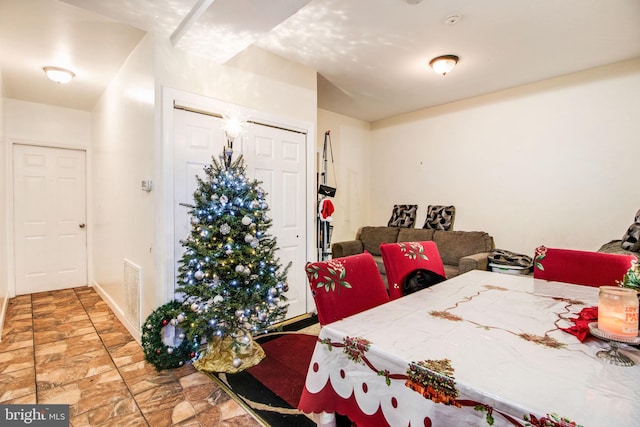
135, 333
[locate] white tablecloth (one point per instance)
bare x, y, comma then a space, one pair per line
495, 340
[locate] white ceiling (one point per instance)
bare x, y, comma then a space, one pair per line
371, 55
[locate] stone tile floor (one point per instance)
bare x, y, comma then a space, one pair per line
67, 347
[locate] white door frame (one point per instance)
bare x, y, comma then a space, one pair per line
164, 163
10, 244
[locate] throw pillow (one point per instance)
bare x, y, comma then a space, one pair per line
440, 217
631, 239
403, 216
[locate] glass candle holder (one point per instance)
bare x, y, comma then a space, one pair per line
618, 311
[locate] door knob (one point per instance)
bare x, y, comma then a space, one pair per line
81, 225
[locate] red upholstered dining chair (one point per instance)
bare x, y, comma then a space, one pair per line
345, 286
580, 267
401, 259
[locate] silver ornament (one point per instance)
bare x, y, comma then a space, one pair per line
199, 274
246, 220
218, 299
248, 238
181, 317
225, 229
239, 313
173, 322
195, 306
237, 362
239, 268
170, 350
273, 292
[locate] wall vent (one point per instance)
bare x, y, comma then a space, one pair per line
132, 280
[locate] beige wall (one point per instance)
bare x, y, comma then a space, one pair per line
349, 173
548, 163
122, 156
255, 79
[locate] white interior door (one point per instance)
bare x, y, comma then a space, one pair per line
49, 218
197, 137
274, 156
277, 158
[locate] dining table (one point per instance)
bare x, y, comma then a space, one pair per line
479, 349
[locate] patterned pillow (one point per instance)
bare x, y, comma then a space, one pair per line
440, 217
631, 239
403, 216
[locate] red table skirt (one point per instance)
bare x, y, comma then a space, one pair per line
328, 400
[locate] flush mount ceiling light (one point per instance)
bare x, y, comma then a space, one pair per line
59, 75
443, 64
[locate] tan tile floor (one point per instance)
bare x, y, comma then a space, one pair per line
67, 347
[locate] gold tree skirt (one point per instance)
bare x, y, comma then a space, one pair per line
219, 356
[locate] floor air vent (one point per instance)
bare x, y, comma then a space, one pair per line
132, 279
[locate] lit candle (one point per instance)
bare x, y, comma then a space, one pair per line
618, 311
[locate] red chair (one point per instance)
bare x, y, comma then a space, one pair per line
402, 258
345, 286
580, 267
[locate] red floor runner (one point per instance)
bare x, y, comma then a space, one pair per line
284, 368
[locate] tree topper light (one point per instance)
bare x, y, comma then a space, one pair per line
233, 126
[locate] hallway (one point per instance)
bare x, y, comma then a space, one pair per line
68, 347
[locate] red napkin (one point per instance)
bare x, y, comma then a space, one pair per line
581, 323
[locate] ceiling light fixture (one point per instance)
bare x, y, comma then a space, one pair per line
59, 75
443, 64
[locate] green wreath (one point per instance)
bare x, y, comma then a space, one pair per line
155, 351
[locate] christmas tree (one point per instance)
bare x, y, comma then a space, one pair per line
232, 282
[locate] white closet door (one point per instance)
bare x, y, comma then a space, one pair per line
277, 157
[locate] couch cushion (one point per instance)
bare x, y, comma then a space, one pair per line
454, 245
451, 271
372, 237
415, 234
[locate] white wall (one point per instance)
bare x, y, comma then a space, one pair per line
123, 155
548, 163
349, 173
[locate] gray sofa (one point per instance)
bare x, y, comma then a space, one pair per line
615, 247
461, 251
